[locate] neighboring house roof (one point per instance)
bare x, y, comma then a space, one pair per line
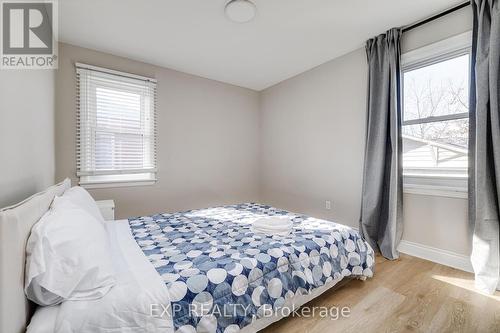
420, 153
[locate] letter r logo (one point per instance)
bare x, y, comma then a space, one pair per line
27, 27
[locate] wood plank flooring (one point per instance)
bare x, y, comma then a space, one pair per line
405, 295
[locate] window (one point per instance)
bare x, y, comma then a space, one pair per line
116, 141
435, 90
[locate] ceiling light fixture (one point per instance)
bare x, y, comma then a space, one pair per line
240, 11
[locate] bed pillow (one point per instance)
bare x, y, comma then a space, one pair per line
44, 320
67, 257
80, 197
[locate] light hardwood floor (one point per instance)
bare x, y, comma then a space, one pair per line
406, 295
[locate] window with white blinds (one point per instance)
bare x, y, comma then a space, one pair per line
116, 132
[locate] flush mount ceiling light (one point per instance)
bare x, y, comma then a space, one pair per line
240, 11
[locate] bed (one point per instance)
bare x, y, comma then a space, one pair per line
193, 271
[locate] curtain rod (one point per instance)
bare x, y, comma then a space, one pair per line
434, 17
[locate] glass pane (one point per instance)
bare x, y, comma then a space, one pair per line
118, 151
118, 110
437, 145
437, 90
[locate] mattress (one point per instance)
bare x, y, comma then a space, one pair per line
222, 277
205, 271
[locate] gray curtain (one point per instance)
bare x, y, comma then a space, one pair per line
484, 154
381, 207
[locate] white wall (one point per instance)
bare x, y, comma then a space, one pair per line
208, 138
312, 143
26, 133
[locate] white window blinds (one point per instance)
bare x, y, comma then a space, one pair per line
116, 141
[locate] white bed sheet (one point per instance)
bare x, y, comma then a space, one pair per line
127, 307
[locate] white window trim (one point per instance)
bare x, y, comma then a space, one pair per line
443, 186
92, 184
448, 186
110, 184
436, 191
436, 52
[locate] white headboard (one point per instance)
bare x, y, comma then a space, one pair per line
15, 227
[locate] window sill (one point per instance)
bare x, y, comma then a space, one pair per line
436, 191
436, 176
95, 185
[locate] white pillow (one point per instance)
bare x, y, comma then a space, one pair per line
68, 257
44, 320
81, 198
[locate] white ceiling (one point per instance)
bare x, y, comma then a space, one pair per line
287, 37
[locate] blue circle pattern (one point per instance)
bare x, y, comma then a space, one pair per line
210, 258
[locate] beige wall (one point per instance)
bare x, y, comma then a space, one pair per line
447, 26
313, 132
207, 138
26, 133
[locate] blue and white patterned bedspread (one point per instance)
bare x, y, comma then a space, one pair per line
210, 258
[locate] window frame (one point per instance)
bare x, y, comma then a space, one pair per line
454, 186
119, 177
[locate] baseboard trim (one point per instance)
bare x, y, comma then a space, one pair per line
439, 256
436, 255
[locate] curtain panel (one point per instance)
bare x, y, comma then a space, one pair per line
382, 196
484, 144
